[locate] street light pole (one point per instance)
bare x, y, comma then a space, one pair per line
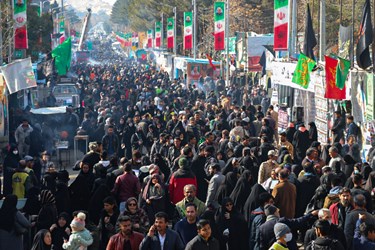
195, 29
227, 41
162, 31
175, 31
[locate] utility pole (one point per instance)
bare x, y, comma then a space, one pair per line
195, 29
322, 40
227, 42
352, 36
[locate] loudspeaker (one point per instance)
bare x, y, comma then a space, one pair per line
297, 114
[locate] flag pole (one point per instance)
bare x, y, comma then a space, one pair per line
195, 29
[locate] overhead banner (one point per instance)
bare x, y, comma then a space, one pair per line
188, 30
219, 30
19, 75
158, 34
20, 29
280, 24
170, 32
149, 38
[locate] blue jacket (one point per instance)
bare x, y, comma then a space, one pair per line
172, 242
360, 242
257, 218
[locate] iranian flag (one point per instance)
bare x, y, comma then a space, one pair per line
219, 31
280, 24
170, 32
157, 34
188, 30
20, 30
149, 39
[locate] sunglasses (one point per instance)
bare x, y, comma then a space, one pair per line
132, 204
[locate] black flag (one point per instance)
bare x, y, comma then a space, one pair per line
310, 39
365, 38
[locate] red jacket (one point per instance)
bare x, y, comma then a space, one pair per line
127, 185
116, 242
178, 180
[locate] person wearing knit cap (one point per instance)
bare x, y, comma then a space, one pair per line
80, 238
283, 235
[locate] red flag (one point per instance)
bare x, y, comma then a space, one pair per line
20, 38
332, 91
210, 61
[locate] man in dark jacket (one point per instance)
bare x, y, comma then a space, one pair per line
266, 233
203, 241
186, 227
111, 142
257, 218
322, 229
338, 127
340, 209
160, 236
352, 217
334, 232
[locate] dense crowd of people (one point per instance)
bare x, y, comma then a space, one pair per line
174, 166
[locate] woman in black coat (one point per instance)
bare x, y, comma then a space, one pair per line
10, 164
226, 188
242, 190
230, 222
313, 132
60, 231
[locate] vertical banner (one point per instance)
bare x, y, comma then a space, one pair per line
188, 30
370, 97
20, 30
157, 34
149, 39
142, 40
281, 24
170, 32
219, 31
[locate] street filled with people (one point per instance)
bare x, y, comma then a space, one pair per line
173, 166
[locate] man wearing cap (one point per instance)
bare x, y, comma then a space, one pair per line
266, 167
179, 179
284, 143
283, 236
30, 170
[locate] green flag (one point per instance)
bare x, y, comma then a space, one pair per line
301, 74
342, 71
63, 56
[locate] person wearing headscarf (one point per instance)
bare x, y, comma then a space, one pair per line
313, 132
80, 190
231, 223
290, 130
10, 237
137, 215
48, 213
60, 231
242, 190
153, 197
42, 240
252, 201
226, 188
10, 164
